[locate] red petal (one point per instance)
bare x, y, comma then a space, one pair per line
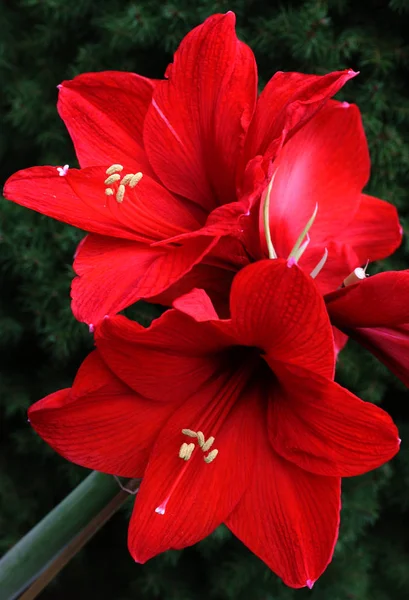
325, 163
100, 423
289, 518
174, 356
194, 130
375, 231
325, 429
200, 495
378, 301
113, 274
104, 114
388, 344
279, 309
196, 304
216, 281
287, 102
148, 211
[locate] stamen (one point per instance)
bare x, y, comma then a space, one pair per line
356, 276
120, 193
126, 179
135, 179
112, 179
303, 248
109, 192
266, 218
114, 169
211, 456
189, 451
189, 432
317, 270
302, 235
207, 445
200, 439
183, 450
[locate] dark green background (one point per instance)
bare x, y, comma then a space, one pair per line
43, 42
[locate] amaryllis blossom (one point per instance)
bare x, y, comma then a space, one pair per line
236, 421
173, 172
375, 312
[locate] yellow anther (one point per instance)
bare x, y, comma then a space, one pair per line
190, 448
208, 444
109, 192
126, 179
183, 450
112, 179
186, 450
135, 179
189, 432
120, 193
200, 438
211, 456
114, 169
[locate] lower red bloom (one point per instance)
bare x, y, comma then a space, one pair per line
236, 421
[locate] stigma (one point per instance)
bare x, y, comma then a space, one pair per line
62, 171
114, 177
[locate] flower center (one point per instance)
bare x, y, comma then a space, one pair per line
186, 450
185, 453
130, 180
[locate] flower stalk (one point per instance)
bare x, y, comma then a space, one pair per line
39, 556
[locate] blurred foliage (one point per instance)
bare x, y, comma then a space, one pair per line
43, 42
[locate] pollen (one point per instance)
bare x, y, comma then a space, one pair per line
130, 179
208, 444
200, 439
120, 193
112, 179
125, 180
114, 169
211, 456
204, 445
186, 451
189, 432
135, 179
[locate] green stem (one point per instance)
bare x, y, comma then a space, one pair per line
44, 550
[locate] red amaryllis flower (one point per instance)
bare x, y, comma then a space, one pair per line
235, 421
172, 168
375, 312
317, 179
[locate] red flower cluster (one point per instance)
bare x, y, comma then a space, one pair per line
226, 405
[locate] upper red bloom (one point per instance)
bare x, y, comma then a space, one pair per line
205, 146
236, 421
375, 312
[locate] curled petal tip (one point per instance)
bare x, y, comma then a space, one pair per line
291, 262
91, 328
310, 583
399, 441
59, 86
